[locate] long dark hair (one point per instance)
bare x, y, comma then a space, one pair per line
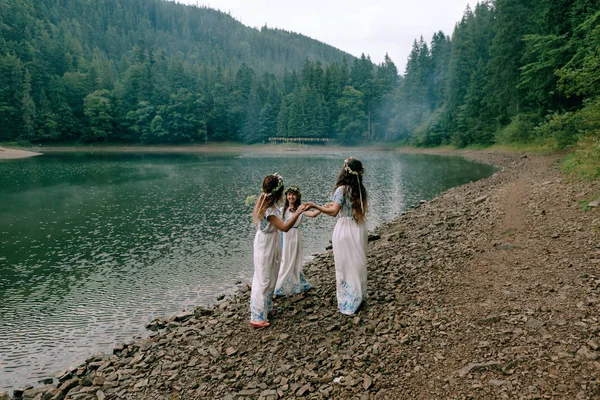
272, 190
351, 177
293, 189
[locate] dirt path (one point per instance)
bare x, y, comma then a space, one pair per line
489, 291
518, 313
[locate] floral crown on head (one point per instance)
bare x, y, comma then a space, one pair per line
279, 185
293, 189
350, 170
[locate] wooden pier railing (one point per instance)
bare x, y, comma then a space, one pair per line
298, 139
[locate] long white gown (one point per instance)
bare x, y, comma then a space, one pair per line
350, 256
291, 279
267, 257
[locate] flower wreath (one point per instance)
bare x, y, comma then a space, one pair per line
279, 185
293, 189
349, 170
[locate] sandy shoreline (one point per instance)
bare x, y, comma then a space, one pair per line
210, 148
489, 291
13, 154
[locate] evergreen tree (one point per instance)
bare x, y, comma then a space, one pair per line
353, 120
28, 109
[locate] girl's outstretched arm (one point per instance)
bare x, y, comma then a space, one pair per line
312, 213
331, 209
285, 226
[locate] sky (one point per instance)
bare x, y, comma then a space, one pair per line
374, 27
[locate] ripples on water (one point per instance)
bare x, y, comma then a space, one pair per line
92, 247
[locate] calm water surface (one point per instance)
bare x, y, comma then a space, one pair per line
94, 246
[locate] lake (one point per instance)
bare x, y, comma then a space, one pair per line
93, 246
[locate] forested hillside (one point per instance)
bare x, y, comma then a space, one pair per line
156, 71
152, 71
514, 71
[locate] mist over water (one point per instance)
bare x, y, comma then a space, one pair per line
94, 246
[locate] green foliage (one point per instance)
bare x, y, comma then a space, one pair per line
563, 127
544, 54
352, 121
433, 131
78, 70
518, 73
580, 76
520, 130
99, 111
584, 161
513, 72
585, 158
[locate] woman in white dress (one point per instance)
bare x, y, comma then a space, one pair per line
291, 279
349, 236
267, 250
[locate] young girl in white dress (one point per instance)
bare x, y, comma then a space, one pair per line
349, 236
267, 250
291, 279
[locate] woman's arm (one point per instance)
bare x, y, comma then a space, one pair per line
312, 214
285, 226
331, 209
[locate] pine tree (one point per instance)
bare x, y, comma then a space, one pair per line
28, 109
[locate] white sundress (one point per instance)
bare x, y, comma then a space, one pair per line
267, 256
350, 256
291, 279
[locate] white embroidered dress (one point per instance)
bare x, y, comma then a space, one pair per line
267, 257
291, 279
350, 255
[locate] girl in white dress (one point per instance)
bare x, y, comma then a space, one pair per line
349, 236
267, 250
291, 279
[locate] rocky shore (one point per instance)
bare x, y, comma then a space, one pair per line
490, 291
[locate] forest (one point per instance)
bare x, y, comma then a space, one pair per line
154, 71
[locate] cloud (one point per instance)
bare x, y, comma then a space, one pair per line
371, 27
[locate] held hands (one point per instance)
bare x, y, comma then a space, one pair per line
306, 206
303, 207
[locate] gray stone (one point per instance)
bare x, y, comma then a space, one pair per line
141, 384
248, 392
473, 367
184, 316
594, 203
303, 390
68, 385
33, 392
230, 351
587, 354
480, 200
58, 395
534, 323
214, 352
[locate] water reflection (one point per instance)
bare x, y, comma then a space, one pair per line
93, 246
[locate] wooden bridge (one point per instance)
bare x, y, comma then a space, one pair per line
298, 140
